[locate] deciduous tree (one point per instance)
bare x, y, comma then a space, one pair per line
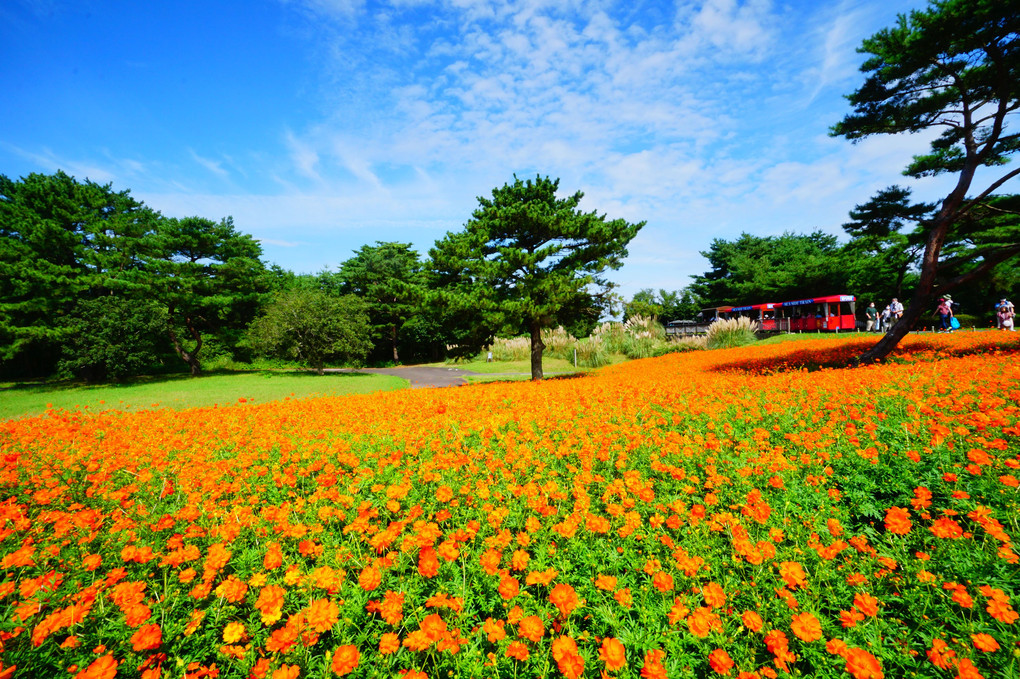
313, 327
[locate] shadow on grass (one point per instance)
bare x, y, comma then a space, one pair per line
845, 355
52, 386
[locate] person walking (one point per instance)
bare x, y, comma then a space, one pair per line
1005, 316
945, 312
885, 320
871, 314
1004, 304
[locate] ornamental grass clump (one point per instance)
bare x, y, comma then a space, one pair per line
731, 332
511, 349
591, 353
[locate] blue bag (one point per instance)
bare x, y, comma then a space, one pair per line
955, 324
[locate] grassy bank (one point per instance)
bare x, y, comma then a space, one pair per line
179, 391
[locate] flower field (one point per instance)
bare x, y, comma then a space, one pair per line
742, 513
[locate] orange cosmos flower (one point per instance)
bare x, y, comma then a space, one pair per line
519, 560
287, 672
662, 581
433, 626
234, 632
428, 564
370, 578
702, 621
571, 665
678, 611
321, 614
866, 604
92, 562
490, 561
613, 654
564, 598
531, 628
606, 582
806, 627
941, 655
232, 589
345, 659
392, 607
494, 630
863, 665
147, 636
623, 597
792, 574
518, 651
389, 643
1002, 611
752, 620
417, 641
653, 667
720, 661
713, 594
509, 587
985, 642
270, 603
101, 668
897, 520
947, 529
542, 577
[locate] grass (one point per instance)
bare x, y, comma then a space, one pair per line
549, 365
180, 391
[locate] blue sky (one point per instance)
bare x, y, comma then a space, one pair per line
324, 125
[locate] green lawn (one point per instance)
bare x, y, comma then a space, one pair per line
178, 391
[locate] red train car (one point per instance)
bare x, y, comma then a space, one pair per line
764, 314
833, 312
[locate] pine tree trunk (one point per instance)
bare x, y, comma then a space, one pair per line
536, 351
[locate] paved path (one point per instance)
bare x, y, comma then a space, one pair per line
422, 378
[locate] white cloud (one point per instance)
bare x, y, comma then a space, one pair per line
214, 166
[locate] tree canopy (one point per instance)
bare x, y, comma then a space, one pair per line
313, 327
953, 68
763, 268
388, 277
61, 242
208, 275
528, 260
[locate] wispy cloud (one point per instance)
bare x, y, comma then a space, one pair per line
214, 166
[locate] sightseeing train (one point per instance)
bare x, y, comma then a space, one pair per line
832, 312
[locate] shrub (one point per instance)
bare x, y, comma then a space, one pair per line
732, 332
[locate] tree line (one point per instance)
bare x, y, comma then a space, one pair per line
95, 284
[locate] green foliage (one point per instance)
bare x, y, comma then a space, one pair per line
528, 260
209, 277
953, 68
113, 338
313, 327
665, 305
771, 268
60, 241
388, 278
731, 332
